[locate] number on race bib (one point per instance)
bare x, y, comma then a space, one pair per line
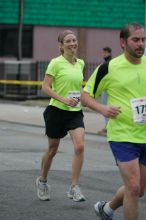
139, 110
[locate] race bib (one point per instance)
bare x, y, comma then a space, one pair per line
75, 95
139, 110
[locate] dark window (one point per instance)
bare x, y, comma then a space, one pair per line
9, 42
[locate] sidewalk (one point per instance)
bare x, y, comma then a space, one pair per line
33, 115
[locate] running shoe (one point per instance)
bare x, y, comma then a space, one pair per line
76, 194
43, 190
98, 207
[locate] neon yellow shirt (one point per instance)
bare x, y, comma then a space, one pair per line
67, 78
123, 82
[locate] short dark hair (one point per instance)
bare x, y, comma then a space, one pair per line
125, 30
108, 49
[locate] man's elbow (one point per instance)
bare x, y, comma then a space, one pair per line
83, 98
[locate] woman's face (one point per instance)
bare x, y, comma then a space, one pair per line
69, 44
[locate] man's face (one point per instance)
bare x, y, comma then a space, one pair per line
105, 54
134, 46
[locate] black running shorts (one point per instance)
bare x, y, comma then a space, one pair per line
58, 122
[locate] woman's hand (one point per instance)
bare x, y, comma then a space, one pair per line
72, 102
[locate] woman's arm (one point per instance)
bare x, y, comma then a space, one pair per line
47, 89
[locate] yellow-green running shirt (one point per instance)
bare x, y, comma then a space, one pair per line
67, 80
123, 83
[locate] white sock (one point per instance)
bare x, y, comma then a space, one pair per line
107, 209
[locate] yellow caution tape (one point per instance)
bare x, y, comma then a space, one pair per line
23, 82
83, 83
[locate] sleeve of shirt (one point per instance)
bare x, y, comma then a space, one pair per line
51, 69
89, 87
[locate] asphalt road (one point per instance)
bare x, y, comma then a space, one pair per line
21, 149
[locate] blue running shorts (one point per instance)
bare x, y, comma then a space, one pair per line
126, 151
